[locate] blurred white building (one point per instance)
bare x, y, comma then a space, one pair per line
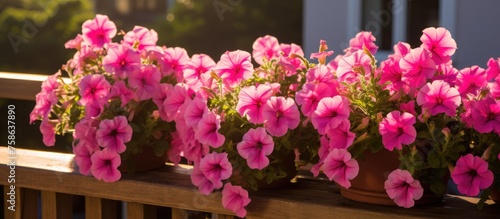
473, 24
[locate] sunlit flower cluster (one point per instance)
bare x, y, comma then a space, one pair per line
238, 122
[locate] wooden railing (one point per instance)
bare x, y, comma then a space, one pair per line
48, 183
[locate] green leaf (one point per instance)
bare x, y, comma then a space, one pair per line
438, 187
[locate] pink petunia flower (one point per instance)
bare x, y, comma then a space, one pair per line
48, 133
99, 31
114, 133
216, 167
43, 106
265, 48
331, 111
234, 67
471, 174
362, 39
322, 54
255, 146
417, 67
439, 97
322, 74
400, 50
93, 87
235, 198
493, 70
486, 115
340, 167
471, 80
75, 43
204, 185
440, 43
341, 137
141, 38
83, 153
402, 188
194, 111
323, 151
251, 101
121, 60
397, 129
310, 95
121, 90
159, 95
280, 114
408, 107
105, 165
446, 73
207, 131
289, 57
145, 81
175, 149
85, 131
353, 66
174, 100
173, 62
195, 67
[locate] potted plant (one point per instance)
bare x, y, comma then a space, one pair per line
416, 120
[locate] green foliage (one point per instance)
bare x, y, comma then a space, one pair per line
34, 28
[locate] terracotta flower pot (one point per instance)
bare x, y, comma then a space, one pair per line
147, 160
368, 186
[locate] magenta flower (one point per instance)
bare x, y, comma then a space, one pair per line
251, 101
43, 106
114, 133
235, 198
83, 153
322, 74
93, 87
402, 188
48, 133
145, 81
255, 146
493, 70
362, 39
280, 114
121, 60
439, 97
323, 52
173, 62
323, 151
417, 67
486, 115
234, 67
408, 107
310, 95
471, 174
75, 43
175, 149
446, 73
207, 131
121, 91
204, 185
341, 137
174, 100
392, 75
265, 48
85, 131
400, 50
216, 167
199, 64
194, 111
471, 80
141, 38
353, 66
289, 59
397, 129
340, 167
99, 31
105, 165
440, 43
331, 111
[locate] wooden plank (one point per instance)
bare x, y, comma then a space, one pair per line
56, 205
171, 187
49, 206
140, 211
12, 201
29, 203
93, 208
179, 214
21, 86
222, 216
